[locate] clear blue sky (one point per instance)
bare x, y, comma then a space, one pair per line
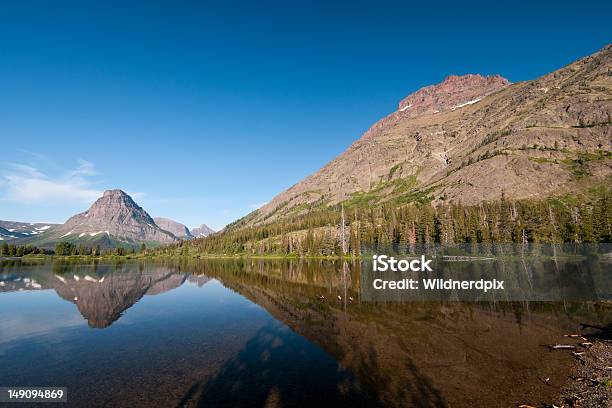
204, 110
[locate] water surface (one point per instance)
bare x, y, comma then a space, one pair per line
276, 334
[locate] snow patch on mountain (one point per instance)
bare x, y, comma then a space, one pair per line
461, 105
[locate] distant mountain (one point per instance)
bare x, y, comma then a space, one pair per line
176, 228
10, 230
113, 220
202, 231
469, 139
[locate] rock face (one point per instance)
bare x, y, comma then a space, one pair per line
454, 92
115, 213
471, 137
176, 228
202, 231
113, 220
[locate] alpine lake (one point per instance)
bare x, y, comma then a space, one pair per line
273, 333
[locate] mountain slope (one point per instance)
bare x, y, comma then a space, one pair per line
469, 139
202, 231
113, 220
176, 228
10, 230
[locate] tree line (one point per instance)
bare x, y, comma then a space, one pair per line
318, 233
68, 248
63, 248
7, 249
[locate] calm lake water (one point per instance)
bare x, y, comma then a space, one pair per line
270, 334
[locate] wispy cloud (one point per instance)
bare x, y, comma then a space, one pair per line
28, 185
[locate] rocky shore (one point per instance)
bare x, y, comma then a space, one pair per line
590, 384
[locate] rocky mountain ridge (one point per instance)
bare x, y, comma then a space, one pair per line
470, 138
202, 231
116, 213
176, 228
454, 92
112, 220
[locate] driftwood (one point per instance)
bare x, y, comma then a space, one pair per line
578, 356
576, 336
561, 346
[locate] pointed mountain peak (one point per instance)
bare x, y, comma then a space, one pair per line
115, 193
115, 202
116, 214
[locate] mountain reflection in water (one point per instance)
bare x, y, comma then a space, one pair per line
270, 333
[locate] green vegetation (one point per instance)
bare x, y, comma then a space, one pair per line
69, 249
578, 218
393, 170
398, 191
576, 162
579, 165
13, 250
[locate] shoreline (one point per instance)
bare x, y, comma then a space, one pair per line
590, 381
137, 256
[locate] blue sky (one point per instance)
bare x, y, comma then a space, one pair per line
205, 110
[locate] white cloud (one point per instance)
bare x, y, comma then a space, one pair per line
28, 185
84, 169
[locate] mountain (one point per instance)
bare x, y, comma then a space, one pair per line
471, 139
202, 231
113, 220
176, 228
10, 230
